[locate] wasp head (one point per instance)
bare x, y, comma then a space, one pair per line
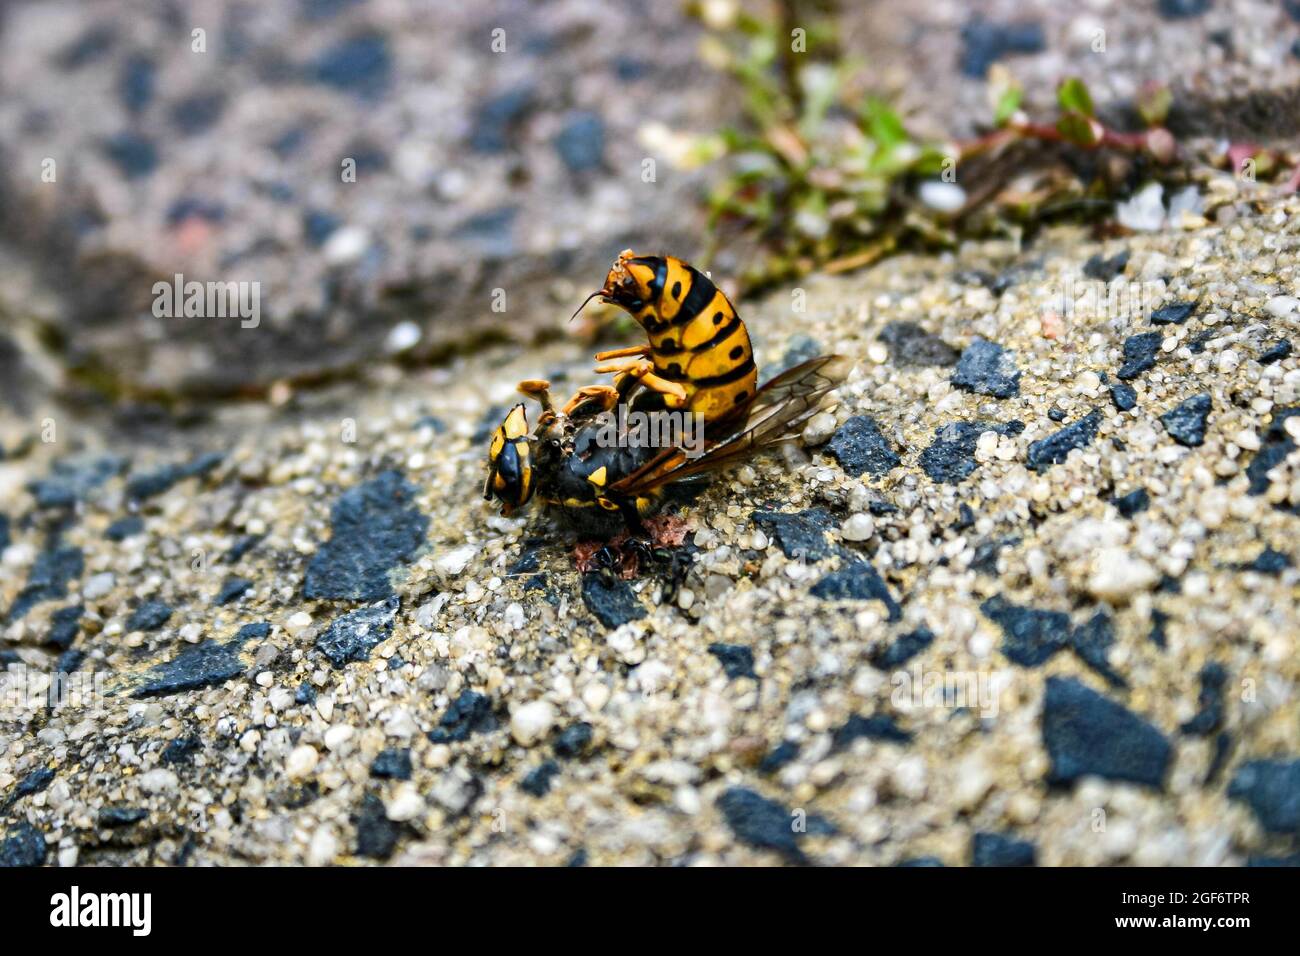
510, 472
628, 282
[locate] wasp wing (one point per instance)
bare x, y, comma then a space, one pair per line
776, 412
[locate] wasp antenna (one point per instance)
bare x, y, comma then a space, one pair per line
584, 303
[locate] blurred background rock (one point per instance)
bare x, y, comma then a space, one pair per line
220, 155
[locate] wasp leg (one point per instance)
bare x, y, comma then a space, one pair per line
622, 353
537, 388
605, 397
642, 370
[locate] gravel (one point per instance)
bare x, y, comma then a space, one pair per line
859, 447
200, 666
612, 603
857, 581
1186, 422
1272, 789
48, 579
736, 659
1175, 314
1140, 353
1055, 448
1030, 636
352, 636
374, 529
23, 845
999, 849
149, 616
868, 667
1087, 734
986, 368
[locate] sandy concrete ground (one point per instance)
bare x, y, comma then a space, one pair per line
1038, 603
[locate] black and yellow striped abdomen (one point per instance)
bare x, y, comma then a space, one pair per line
696, 338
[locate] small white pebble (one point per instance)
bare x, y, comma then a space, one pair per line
531, 722
1088, 383
337, 736
819, 429
595, 695
859, 527
942, 196
407, 804
302, 761
402, 336
514, 616
158, 780
324, 847
97, 586
453, 562
345, 245
1281, 306
1117, 576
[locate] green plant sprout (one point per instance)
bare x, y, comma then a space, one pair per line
823, 176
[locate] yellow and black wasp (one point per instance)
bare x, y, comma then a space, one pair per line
604, 486
698, 356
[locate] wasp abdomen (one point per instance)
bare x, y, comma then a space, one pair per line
696, 338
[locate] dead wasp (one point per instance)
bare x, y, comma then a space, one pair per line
569, 461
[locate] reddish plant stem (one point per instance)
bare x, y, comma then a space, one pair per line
1050, 134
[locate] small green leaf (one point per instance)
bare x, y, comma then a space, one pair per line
883, 125
1153, 102
1008, 103
1079, 129
932, 161
1074, 97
